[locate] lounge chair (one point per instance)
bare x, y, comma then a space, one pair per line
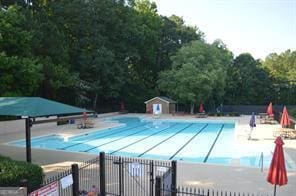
292, 134
201, 115
89, 124
80, 124
268, 120
285, 133
262, 115
85, 123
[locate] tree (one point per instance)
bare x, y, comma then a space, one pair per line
19, 76
174, 34
50, 47
20, 71
94, 31
247, 82
281, 67
282, 71
197, 70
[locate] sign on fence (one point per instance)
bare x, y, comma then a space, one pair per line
167, 179
51, 189
161, 169
67, 181
135, 169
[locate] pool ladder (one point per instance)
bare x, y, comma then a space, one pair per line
261, 162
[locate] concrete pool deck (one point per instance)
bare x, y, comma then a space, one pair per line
216, 177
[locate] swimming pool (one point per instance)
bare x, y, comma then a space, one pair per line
190, 141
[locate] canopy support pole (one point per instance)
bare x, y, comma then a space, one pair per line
28, 140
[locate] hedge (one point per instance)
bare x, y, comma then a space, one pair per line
12, 172
292, 112
223, 114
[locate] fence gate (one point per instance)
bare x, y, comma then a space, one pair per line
131, 176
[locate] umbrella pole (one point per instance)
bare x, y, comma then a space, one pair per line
274, 191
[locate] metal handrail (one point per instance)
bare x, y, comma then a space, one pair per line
261, 161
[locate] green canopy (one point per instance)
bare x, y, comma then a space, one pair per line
35, 107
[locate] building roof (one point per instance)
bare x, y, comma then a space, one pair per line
166, 99
35, 107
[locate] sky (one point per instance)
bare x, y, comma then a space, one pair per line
259, 27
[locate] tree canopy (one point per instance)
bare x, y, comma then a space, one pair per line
198, 74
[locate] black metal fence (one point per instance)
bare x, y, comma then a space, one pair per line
248, 109
132, 176
192, 191
86, 177
162, 189
57, 178
123, 176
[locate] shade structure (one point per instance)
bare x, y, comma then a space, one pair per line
285, 120
252, 122
277, 174
35, 107
269, 110
201, 108
31, 107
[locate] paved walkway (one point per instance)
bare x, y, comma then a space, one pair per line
232, 178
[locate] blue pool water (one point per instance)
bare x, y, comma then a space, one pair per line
194, 141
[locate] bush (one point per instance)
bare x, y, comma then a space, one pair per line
292, 113
12, 172
234, 114
223, 114
5, 118
63, 122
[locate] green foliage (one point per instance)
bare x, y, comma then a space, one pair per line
19, 76
223, 114
282, 72
5, 118
282, 67
20, 72
292, 113
15, 38
198, 74
248, 82
12, 172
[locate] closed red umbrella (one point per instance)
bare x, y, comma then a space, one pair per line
277, 173
201, 109
122, 106
84, 115
285, 120
269, 110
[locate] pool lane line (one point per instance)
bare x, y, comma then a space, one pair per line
101, 136
141, 139
188, 142
115, 140
164, 140
205, 160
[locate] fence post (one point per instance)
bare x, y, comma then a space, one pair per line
102, 174
151, 167
158, 186
25, 183
174, 178
120, 175
75, 175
